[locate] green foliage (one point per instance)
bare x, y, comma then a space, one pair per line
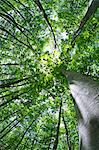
31, 82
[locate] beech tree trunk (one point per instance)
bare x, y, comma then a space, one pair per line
85, 91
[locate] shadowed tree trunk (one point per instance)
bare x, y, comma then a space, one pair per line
86, 94
91, 9
58, 128
67, 133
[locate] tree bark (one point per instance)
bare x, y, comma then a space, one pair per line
38, 3
86, 94
58, 128
67, 134
91, 9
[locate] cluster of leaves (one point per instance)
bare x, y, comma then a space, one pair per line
36, 109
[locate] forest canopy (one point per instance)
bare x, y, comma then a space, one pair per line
37, 40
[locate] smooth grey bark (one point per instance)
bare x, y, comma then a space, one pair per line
85, 91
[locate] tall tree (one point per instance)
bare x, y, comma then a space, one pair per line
37, 39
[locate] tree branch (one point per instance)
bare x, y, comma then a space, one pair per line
38, 3
14, 97
58, 128
91, 9
67, 133
3, 29
7, 126
11, 114
9, 130
3, 85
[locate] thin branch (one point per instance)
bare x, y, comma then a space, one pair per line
13, 82
3, 29
10, 94
58, 128
8, 80
24, 135
9, 18
51, 94
38, 3
14, 8
11, 114
13, 126
13, 43
67, 133
13, 97
91, 9
7, 90
10, 64
9, 130
26, 8
7, 126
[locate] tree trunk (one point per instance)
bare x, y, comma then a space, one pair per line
86, 94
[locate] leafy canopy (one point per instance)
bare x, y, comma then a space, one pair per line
36, 42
